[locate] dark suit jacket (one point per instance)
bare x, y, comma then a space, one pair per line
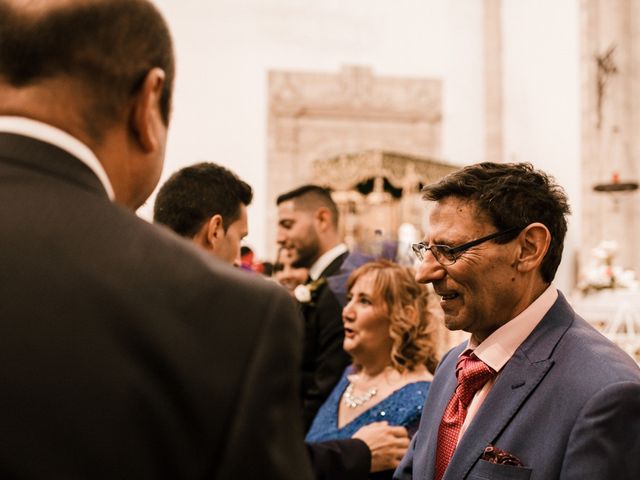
323, 359
124, 351
567, 405
348, 459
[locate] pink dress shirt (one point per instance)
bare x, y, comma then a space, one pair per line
499, 347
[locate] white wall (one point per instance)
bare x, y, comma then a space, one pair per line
542, 100
224, 49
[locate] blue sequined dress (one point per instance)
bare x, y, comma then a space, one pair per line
403, 407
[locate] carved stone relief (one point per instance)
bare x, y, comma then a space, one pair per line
341, 129
316, 116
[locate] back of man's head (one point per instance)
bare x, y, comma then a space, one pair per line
309, 198
511, 195
194, 194
103, 50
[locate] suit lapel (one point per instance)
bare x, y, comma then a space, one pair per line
334, 266
440, 392
514, 385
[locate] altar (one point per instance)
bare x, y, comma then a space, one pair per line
616, 313
378, 196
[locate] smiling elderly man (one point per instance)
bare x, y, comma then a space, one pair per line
536, 393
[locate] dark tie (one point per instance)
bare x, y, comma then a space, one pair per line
472, 373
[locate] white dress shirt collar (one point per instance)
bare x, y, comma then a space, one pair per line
54, 136
325, 260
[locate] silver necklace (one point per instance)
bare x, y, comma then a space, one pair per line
354, 401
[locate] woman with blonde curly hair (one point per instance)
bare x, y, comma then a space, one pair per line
388, 329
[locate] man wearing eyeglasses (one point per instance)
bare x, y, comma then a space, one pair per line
536, 392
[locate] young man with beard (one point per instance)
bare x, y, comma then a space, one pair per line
308, 227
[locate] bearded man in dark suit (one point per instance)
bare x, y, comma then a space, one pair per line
125, 352
308, 226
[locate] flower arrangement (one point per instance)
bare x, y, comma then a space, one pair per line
306, 293
602, 272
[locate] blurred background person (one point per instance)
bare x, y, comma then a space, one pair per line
388, 325
208, 204
247, 262
286, 274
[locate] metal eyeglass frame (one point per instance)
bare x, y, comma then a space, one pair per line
446, 255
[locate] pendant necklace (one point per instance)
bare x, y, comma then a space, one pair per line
354, 401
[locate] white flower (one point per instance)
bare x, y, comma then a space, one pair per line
302, 294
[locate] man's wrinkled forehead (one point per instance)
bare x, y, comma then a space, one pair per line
453, 219
463, 204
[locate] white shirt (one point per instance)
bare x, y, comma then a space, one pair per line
54, 136
325, 260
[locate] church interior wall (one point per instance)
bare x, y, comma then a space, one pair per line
225, 50
541, 68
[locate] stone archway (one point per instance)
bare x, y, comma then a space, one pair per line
316, 116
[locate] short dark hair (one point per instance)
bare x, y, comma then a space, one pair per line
511, 195
311, 197
194, 194
109, 46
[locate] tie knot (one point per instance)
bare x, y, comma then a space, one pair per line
472, 373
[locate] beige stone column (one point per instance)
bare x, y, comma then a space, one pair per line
610, 64
493, 80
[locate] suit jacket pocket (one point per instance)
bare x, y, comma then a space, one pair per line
484, 470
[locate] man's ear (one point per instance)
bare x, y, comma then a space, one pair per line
146, 113
211, 232
323, 218
534, 243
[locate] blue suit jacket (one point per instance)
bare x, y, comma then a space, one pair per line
567, 405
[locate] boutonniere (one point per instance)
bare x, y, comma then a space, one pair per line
307, 292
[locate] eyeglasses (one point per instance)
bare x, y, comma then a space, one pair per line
446, 255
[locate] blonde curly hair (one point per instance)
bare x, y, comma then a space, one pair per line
412, 336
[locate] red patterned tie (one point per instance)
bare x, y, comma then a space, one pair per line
472, 373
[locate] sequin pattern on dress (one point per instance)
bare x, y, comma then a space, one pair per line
403, 407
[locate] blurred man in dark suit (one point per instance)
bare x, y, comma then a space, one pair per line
125, 352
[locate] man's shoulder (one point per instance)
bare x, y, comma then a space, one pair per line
158, 258
596, 357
